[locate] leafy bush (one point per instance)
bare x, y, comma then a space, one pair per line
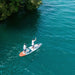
7, 7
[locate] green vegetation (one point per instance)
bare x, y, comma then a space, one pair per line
32, 4
8, 7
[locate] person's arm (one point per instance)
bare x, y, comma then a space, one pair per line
35, 39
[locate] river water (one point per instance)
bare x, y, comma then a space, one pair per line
54, 26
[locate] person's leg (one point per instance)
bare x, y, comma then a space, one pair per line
32, 46
24, 50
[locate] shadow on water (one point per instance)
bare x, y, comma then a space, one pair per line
23, 21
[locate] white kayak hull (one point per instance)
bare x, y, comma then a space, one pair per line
30, 50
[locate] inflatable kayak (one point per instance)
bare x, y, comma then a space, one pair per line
29, 50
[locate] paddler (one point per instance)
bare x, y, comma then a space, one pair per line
33, 42
24, 47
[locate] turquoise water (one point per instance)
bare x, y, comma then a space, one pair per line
54, 26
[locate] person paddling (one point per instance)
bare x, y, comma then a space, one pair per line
24, 47
33, 43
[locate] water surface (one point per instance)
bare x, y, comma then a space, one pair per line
54, 26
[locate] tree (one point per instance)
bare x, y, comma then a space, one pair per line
8, 7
